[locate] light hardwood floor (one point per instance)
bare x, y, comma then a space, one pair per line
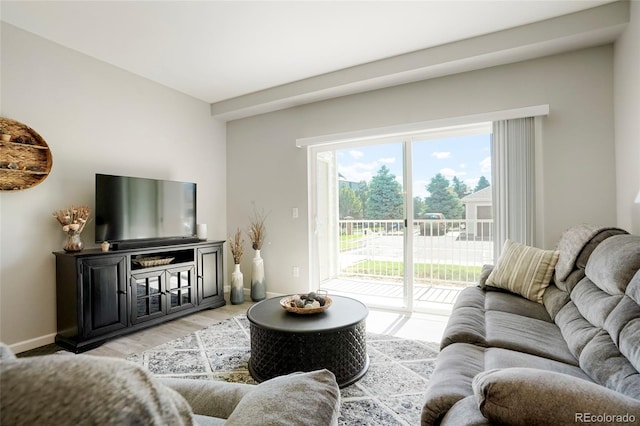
140, 341
410, 326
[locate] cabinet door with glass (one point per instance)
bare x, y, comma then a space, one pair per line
148, 299
181, 288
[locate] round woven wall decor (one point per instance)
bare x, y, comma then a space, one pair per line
25, 159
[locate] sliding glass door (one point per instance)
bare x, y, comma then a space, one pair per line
360, 226
451, 215
402, 222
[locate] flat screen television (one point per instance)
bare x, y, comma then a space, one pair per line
139, 211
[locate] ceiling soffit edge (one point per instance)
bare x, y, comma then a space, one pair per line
588, 28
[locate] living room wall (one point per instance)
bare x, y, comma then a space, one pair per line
265, 169
627, 125
96, 118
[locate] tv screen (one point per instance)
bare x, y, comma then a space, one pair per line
132, 208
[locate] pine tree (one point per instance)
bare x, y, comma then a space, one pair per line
349, 204
362, 192
460, 187
385, 199
443, 199
482, 183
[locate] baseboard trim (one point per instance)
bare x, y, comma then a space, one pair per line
36, 342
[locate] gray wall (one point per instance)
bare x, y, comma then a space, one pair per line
95, 118
578, 160
627, 122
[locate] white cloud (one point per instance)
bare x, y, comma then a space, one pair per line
472, 182
358, 171
485, 165
462, 165
388, 160
356, 154
450, 173
441, 155
420, 188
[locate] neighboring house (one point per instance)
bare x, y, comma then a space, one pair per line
479, 214
342, 181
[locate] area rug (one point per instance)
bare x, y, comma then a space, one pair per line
391, 393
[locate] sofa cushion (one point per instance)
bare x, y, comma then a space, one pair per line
508, 302
529, 335
505, 358
601, 324
466, 323
614, 262
601, 359
576, 330
523, 270
456, 366
70, 390
465, 412
208, 397
527, 396
624, 323
554, 299
594, 304
466, 326
295, 399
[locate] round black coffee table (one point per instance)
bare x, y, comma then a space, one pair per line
284, 342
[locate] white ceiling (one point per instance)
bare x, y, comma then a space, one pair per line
218, 50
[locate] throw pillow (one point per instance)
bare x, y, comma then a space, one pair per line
528, 396
524, 270
296, 399
87, 390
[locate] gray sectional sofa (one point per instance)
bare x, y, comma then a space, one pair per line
571, 357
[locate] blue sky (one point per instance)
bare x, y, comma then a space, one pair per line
467, 157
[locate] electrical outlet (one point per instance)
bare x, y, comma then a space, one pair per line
294, 212
296, 271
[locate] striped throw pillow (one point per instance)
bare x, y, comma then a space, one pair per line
524, 270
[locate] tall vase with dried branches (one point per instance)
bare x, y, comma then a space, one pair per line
237, 279
257, 232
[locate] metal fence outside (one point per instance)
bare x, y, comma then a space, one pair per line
445, 252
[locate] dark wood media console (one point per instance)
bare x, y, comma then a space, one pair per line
102, 295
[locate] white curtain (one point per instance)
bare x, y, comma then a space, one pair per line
512, 159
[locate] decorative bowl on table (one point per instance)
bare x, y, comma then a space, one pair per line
311, 303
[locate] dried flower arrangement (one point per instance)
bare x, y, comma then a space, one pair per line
73, 219
257, 230
236, 246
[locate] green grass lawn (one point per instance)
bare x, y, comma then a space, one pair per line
348, 242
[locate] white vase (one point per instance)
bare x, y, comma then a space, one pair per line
237, 286
258, 287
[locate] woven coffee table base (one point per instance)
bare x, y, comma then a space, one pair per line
343, 352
